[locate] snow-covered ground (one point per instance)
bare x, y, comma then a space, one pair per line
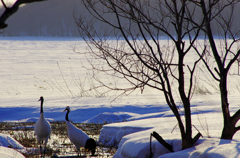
31, 67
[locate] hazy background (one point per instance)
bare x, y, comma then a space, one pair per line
55, 18
47, 18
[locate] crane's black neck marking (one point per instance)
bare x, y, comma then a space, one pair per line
67, 115
41, 108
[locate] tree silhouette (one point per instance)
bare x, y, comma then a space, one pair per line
138, 54
224, 55
9, 11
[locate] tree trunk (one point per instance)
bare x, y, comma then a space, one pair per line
228, 124
187, 135
228, 131
186, 142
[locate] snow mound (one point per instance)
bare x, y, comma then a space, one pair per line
209, 148
8, 141
9, 153
133, 139
137, 145
140, 148
112, 136
111, 117
33, 119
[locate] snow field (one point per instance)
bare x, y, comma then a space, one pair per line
38, 66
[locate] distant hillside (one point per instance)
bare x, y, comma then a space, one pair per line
55, 18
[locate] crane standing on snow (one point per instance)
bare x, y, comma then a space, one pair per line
78, 137
42, 128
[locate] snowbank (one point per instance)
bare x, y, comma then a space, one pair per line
137, 145
209, 148
9, 153
7, 141
133, 138
112, 134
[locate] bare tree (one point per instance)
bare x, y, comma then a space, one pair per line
9, 11
222, 12
137, 53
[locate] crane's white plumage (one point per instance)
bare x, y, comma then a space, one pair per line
78, 137
42, 127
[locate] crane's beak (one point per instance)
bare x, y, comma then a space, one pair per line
40, 98
67, 109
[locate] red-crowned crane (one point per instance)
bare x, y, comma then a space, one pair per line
78, 137
42, 128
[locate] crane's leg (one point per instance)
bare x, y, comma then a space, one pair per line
79, 151
44, 148
93, 152
40, 148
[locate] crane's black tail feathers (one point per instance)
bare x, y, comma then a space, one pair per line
91, 145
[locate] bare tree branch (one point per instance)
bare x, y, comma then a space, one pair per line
9, 11
4, 4
142, 59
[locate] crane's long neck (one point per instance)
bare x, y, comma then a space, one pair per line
41, 108
67, 116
